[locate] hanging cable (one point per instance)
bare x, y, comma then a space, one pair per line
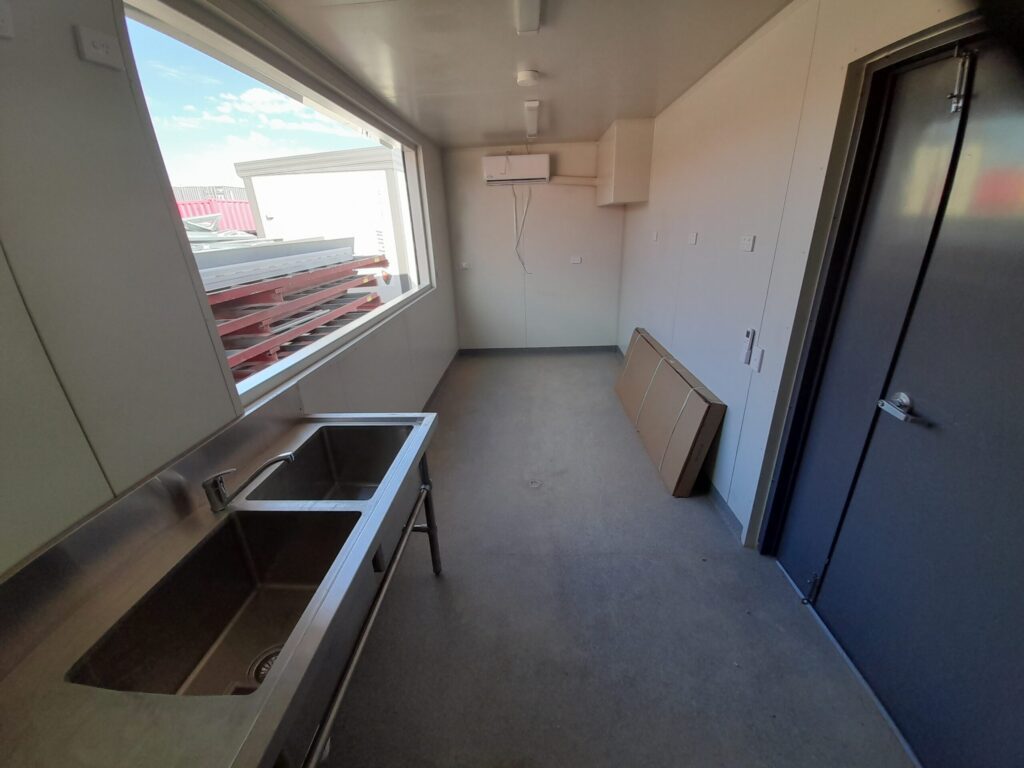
520, 226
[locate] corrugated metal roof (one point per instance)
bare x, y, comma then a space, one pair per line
235, 214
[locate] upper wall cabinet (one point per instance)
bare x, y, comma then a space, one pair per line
49, 479
92, 240
624, 162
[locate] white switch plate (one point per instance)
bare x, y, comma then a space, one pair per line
98, 47
464, 265
757, 358
6, 20
576, 260
747, 243
654, 236
693, 238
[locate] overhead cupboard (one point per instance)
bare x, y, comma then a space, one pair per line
624, 162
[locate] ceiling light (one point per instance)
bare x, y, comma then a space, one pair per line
527, 16
531, 110
527, 78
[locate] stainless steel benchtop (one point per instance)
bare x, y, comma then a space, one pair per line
46, 720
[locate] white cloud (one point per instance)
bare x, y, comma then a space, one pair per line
181, 73
272, 110
213, 162
189, 122
312, 126
278, 112
203, 145
261, 101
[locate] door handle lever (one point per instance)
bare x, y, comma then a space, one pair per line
901, 407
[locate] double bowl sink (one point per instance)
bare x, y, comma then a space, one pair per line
273, 597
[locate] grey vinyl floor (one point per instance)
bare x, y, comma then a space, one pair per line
585, 617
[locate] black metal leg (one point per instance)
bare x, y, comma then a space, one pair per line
428, 512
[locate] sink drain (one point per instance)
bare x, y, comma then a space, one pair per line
260, 667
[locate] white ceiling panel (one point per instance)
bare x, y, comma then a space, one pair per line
449, 66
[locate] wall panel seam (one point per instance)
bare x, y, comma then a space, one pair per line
53, 368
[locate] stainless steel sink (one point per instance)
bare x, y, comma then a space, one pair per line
214, 624
336, 463
297, 564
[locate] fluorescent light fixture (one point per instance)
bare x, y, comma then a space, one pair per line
527, 16
531, 109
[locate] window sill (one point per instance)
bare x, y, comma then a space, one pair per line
260, 387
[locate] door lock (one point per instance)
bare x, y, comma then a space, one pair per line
901, 407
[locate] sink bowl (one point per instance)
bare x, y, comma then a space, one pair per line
336, 463
214, 624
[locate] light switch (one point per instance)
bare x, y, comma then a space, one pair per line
464, 265
757, 358
693, 238
98, 47
747, 243
6, 20
576, 260
654, 236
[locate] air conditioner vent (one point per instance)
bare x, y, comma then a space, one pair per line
517, 169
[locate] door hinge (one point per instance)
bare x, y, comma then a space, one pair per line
959, 94
813, 587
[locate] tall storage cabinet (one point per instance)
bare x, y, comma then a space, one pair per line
94, 246
49, 477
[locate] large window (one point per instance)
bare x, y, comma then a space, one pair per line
297, 213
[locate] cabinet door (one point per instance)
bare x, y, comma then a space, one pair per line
93, 242
49, 477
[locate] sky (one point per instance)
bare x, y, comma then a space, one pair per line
208, 116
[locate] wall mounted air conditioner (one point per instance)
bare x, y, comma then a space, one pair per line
517, 169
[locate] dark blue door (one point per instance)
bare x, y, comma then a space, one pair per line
925, 586
912, 166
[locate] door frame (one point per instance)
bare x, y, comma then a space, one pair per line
848, 178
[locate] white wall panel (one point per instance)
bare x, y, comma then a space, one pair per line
721, 161
744, 152
846, 31
557, 303
49, 477
92, 238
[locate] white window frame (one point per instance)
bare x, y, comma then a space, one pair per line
256, 388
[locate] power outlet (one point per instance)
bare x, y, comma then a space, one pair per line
98, 48
747, 243
693, 238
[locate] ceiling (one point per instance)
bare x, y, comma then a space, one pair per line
449, 66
